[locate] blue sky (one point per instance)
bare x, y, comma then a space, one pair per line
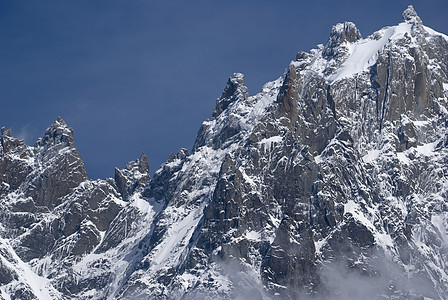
141, 76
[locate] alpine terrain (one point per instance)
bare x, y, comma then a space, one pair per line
330, 183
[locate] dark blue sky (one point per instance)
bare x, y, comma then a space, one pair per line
140, 76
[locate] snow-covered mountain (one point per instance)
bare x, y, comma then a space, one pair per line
332, 182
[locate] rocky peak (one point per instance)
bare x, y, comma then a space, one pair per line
8, 142
6, 132
58, 133
61, 166
235, 89
182, 154
340, 33
134, 175
225, 120
15, 161
410, 15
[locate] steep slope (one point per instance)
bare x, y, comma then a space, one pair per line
330, 182
63, 235
341, 176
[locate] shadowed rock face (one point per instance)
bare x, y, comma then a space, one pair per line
330, 182
46, 171
136, 174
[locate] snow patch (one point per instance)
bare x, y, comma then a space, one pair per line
433, 32
364, 53
371, 155
382, 239
403, 158
445, 87
269, 143
426, 149
142, 205
253, 236
247, 177
440, 222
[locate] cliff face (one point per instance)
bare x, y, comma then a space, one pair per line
330, 182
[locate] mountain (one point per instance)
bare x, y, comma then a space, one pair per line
331, 183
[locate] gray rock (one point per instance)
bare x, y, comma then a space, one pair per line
321, 185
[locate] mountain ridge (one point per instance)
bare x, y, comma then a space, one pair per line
333, 173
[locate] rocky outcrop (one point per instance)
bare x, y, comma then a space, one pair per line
58, 167
341, 33
135, 175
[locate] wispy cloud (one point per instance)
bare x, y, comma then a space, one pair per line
24, 133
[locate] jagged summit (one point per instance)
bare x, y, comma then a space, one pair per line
234, 89
346, 54
340, 33
135, 175
58, 133
8, 142
410, 15
6, 132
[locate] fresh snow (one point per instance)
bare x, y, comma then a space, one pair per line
167, 253
269, 143
364, 53
381, 238
426, 149
433, 32
40, 286
371, 155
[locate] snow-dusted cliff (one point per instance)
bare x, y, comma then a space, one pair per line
329, 183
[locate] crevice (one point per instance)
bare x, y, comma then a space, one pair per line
376, 87
310, 213
330, 102
386, 92
326, 218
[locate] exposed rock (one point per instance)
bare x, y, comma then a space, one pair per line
341, 33
331, 182
235, 89
411, 15
136, 174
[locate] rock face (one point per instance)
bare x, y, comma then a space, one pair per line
329, 183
